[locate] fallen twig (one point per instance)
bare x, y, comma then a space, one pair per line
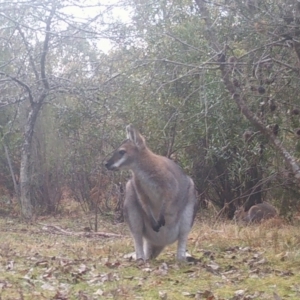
57, 230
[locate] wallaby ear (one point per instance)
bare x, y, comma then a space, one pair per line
130, 132
134, 136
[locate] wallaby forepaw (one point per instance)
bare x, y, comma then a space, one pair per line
157, 224
156, 227
162, 221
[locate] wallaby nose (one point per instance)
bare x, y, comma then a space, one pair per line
109, 165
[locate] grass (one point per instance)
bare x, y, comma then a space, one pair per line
231, 262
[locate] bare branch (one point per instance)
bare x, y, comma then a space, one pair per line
31, 60
184, 43
286, 65
24, 85
46, 48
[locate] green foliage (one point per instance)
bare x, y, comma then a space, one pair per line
162, 75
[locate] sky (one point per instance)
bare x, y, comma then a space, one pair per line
113, 10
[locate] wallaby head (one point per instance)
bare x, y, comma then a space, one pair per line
160, 199
240, 214
126, 155
256, 213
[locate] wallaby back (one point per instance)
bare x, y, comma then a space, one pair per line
256, 213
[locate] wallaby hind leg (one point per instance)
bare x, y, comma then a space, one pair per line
186, 222
134, 218
152, 251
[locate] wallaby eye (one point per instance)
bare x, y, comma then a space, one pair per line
122, 152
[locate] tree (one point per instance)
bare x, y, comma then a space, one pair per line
232, 81
215, 52
212, 84
40, 44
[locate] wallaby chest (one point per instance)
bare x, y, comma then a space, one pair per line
149, 192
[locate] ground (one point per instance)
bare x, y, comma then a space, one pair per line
59, 258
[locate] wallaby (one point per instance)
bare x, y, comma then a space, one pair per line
160, 200
256, 213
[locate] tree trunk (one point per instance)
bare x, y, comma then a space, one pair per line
25, 178
12, 174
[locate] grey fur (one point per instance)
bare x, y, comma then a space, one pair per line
160, 201
256, 213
